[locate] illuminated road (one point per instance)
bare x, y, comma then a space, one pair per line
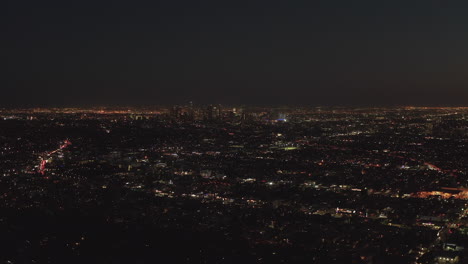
43, 163
395, 155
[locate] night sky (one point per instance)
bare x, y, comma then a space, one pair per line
330, 52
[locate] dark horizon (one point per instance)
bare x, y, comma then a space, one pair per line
264, 105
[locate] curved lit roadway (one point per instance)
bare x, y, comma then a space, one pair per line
42, 165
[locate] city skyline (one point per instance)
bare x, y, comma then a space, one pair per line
221, 132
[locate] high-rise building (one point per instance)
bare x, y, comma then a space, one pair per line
213, 112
